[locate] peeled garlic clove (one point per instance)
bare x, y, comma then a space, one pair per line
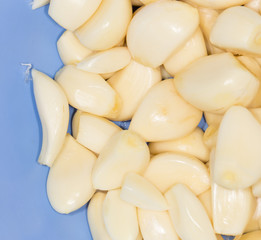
125, 152
167, 169
69, 184
132, 83
108, 26
187, 212
53, 110
210, 136
138, 191
237, 159
164, 115
70, 49
218, 4
191, 144
253, 223
193, 49
213, 118
156, 225
205, 199
92, 131
88, 92
120, 218
39, 3
204, 86
254, 5
173, 24
71, 14
231, 25
251, 236
256, 189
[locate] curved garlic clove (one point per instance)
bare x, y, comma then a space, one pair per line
193, 49
167, 169
173, 23
210, 136
254, 5
191, 144
108, 26
256, 235
132, 83
120, 218
156, 225
234, 85
92, 131
253, 223
39, 3
187, 212
53, 110
205, 199
71, 14
164, 115
69, 184
231, 25
237, 159
125, 152
141, 193
213, 118
256, 189
218, 4
70, 49
88, 92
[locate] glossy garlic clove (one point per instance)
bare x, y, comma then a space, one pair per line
39, 3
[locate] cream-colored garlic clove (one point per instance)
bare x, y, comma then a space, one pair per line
237, 158
253, 223
231, 25
70, 49
125, 152
140, 192
71, 14
53, 110
204, 86
210, 136
106, 61
218, 4
191, 144
167, 169
164, 114
132, 83
120, 218
213, 118
39, 3
256, 189
88, 92
193, 49
188, 215
254, 5
108, 26
160, 28
256, 235
69, 184
205, 199
92, 131
156, 225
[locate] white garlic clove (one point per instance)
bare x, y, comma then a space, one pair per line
53, 110
253, 224
39, 3
217, 4
69, 184
205, 199
256, 235
256, 189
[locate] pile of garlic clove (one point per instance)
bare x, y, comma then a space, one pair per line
163, 65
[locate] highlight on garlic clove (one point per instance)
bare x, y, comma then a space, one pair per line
53, 109
256, 235
88, 92
140, 192
132, 83
254, 5
39, 3
167, 169
125, 152
204, 86
71, 14
213, 118
108, 25
173, 22
120, 218
218, 4
256, 188
164, 115
92, 131
210, 136
187, 212
69, 184
253, 223
206, 200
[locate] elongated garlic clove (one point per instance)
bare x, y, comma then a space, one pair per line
253, 224
69, 184
92, 131
156, 225
120, 218
210, 136
164, 115
191, 144
254, 5
256, 189
205, 199
167, 169
218, 4
213, 118
108, 26
256, 235
88, 92
125, 152
204, 86
70, 49
187, 212
173, 24
53, 110
39, 3
140, 192
132, 83
237, 158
